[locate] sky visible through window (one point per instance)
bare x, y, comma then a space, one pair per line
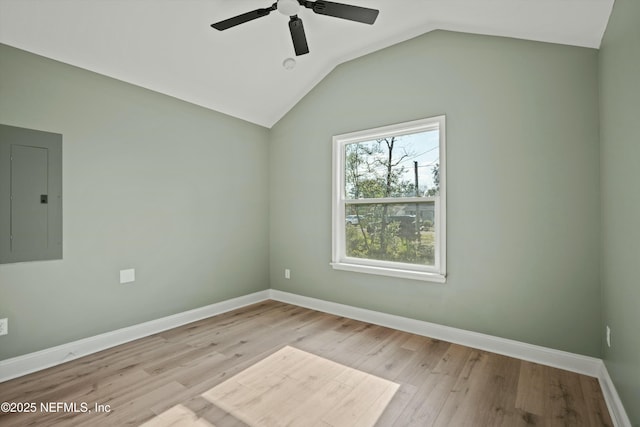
422, 147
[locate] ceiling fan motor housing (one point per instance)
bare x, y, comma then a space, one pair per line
288, 7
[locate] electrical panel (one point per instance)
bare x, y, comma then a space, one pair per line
30, 195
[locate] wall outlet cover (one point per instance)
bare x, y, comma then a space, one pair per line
4, 326
127, 276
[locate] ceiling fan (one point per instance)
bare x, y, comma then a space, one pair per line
290, 9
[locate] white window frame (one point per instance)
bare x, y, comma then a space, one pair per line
340, 261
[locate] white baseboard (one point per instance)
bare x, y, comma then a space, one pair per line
585, 365
533, 353
22, 365
617, 411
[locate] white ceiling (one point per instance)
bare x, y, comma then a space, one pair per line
168, 45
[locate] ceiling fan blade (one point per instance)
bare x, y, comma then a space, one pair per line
241, 19
298, 36
345, 11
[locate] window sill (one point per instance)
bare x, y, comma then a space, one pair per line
392, 272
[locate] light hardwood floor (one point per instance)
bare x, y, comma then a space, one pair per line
178, 374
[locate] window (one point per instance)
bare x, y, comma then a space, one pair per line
389, 199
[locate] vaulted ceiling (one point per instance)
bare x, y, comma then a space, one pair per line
168, 45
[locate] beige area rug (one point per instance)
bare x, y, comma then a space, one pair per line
294, 388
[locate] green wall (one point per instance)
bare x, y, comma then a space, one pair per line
204, 206
620, 162
543, 197
523, 214
178, 192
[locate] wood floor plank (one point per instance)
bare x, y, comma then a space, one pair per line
161, 379
484, 393
427, 357
433, 392
85, 369
531, 388
177, 416
566, 404
598, 414
387, 358
212, 413
397, 405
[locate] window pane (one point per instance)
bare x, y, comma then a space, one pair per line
399, 232
396, 166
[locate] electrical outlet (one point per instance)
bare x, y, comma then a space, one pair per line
287, 273
127, 276
4, 326
608, 336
